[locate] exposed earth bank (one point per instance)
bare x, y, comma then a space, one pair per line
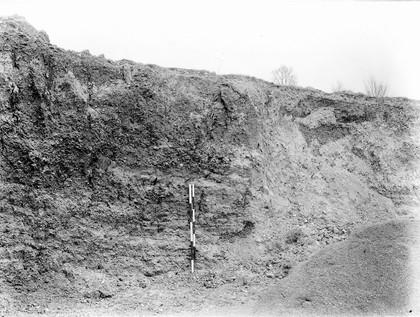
96, 157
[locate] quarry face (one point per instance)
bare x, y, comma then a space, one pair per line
95, 161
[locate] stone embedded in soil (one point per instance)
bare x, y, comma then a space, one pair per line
105, 293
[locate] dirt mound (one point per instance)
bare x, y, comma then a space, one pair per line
369, 273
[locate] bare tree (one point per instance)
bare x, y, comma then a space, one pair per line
284, 76
338, 87
374, 88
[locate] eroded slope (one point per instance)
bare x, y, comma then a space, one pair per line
96, 157
369, 273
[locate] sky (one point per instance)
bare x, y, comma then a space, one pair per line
324, 41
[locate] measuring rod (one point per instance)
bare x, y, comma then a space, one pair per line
192, 226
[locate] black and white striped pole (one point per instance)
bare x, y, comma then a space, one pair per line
192, 226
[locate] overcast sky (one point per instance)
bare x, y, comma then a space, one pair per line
323, 41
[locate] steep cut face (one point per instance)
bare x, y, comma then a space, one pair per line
96, 158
